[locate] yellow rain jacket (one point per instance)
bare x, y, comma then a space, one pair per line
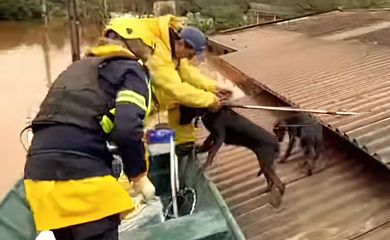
59, 204
173, 83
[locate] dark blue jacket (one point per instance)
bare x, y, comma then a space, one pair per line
63, 150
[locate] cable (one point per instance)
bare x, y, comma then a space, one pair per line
21, 135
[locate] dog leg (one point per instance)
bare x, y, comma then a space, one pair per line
308, 153
317, 152
289, 148
213, 151
318, 148
207, 144
260, 172
275, 185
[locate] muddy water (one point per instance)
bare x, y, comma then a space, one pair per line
31, 57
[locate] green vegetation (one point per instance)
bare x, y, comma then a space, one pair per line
204, 24
234, 13
88, 9
224, 13
30, 9
298, 7
19, 9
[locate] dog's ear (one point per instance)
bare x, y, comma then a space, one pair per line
277, 124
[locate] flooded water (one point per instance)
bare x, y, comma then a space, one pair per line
30, 58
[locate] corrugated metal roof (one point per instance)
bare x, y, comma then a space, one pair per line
323, 25
346, 200
380, 37
380, 233
314, 73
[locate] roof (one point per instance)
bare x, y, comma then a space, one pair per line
348, 198
367, 27
306, 64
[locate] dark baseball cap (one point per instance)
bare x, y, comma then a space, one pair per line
196, 39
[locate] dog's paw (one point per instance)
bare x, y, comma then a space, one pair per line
302, 164
200, 149
282, 160
310, 167
275, 197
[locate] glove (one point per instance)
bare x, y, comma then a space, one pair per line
144, 185
116, 166
223, 95
219, 103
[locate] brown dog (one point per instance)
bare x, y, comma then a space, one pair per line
302, 127
226, 126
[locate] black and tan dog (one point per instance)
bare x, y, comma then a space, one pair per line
310, 134
227, 126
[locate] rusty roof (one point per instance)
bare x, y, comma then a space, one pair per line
311, 72
364, 26
348, 198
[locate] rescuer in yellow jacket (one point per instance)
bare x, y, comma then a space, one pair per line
68, 172
175, 80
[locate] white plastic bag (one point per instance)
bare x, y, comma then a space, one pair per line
45, 235
150, 213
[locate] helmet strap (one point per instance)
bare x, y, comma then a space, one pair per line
127, 46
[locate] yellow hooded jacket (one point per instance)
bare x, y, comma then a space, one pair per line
173, 85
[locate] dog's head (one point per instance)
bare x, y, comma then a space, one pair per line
280, 130
187, 114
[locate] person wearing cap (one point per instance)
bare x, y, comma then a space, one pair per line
68, 172
175, 80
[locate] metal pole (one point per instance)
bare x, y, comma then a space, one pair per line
46, 52
77, 27
44, 12
74, 29
105, 11
70, 22
289, 109
174, 181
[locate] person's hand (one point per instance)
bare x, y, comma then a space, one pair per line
219, 103
224, 90
224, 94
144, 185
